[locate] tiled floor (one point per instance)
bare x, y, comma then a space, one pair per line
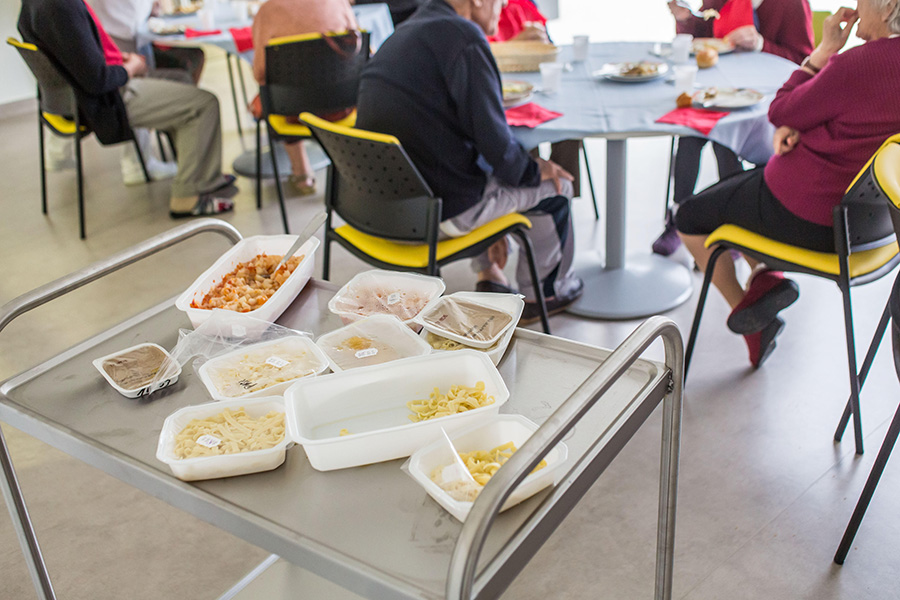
764, 495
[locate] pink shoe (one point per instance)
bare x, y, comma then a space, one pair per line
769, 293
761, 344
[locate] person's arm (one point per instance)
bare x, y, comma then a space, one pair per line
685, 22
474, 84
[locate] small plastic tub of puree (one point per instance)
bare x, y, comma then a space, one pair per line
139, 370
467, 321
371, 341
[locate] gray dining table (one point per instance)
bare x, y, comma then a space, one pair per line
639, 285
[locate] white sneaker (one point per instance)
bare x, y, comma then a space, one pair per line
157, 169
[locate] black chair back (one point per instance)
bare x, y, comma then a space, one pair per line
314, 73
56, 94
872, 201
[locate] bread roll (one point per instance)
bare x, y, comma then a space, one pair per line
684, 100
707, 57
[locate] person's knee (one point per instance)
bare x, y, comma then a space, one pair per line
567, 188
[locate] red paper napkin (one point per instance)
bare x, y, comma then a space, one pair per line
243, 38
696, 118
192, 33
529, 115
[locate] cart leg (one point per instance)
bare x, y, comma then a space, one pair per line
668, 487
12, 493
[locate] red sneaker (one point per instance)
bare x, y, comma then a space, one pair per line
769, 293
761, 344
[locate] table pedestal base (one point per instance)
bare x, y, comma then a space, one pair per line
245, 164
648, 285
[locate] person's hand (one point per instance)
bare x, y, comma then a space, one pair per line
532, 32
679, 11
785, 140
553, 172
835, 33
746, 38
134, 64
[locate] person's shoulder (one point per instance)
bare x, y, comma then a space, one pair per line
865, 54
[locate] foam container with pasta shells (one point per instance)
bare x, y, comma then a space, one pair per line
225, 465
380, 292
370, 403
264, 369
244, 251
494, 432
371, 341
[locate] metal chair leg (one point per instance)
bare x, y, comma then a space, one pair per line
237, 108
587, 166
259, 163
670, 179
532, 268
140, 155
162, 146
43, 165
278, 186
80, 178
172, 146
701, 302
851, 364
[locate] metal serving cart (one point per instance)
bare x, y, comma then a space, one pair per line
372, 530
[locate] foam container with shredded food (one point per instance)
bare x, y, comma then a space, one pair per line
496, 431
511, 303
403, 295
474, 328
373, 340
136, 391
244, 251
225, 465
273, 356
370, 403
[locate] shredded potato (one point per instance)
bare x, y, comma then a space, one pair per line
234, 430
250, 284
459, 399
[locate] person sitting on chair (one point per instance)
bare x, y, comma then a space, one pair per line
783, 28
113, 98
435, 86
401, 10
832, 114
280, 18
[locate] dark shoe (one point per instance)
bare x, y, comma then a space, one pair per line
668, 241
494, 287
761, 344
769, 293
225, 189
206, 205
532, 311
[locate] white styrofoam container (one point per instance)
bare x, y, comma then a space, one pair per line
170, 378
388, 283
244, 251
496, 431
437, 329
513, 304
225, 465
370, 402
385, 330
298, 343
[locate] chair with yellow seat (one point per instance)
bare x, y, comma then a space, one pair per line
307, 73
58, 111
865, 250
392, 217
818, 22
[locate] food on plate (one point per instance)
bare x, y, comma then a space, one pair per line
260, 368
250, 284
360, 351
639, 69
513, 89
229, 432
707, 57
459, 398
441, 343
138, 367
719, 45
710, 13
684, 100
481, 465
344, 432
709, 94
468, 320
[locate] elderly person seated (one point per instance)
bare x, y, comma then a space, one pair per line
280, 18
832, 114
435, 86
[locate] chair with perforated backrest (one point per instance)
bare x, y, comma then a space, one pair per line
865, 250
307, 73
818, 21
392, 217
58, 110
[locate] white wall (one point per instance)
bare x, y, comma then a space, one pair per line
16, 82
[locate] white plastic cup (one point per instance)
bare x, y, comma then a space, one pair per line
681, 48
684, 76
551, 77
207, 18
241, 9
580, 46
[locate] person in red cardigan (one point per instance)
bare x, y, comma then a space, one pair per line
780, 27
831, 116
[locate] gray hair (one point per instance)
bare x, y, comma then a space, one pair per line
893, 20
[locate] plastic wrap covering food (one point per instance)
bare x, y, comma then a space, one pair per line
371, 341
403, 295
139, 370
467, 322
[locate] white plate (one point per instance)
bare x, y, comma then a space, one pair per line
516, 92
613, 71
727, 98
721, 46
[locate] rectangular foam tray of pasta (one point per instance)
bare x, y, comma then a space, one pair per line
225, 465
370, 403
497, 431
244, 251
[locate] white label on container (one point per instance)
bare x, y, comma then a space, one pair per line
210, 441
366, 353
238, 331
393, 298
277, 362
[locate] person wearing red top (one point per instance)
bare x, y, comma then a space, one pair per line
781, 27
520, 20
832, 114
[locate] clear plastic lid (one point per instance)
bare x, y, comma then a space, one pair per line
139, 370
466, 321
371, 341
403, 295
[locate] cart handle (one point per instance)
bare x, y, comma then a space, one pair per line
464, 561
59, 287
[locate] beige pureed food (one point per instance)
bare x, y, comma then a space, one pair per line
256, 369
250, 284
360, 351
468, 320
229, 432
136, 368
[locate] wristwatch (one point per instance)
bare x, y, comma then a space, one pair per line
808, 64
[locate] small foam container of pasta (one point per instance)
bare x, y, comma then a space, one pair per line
441, 339
264, 369
496, 431
371, 341
379, 292
370, 403
242, 252
223, 465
